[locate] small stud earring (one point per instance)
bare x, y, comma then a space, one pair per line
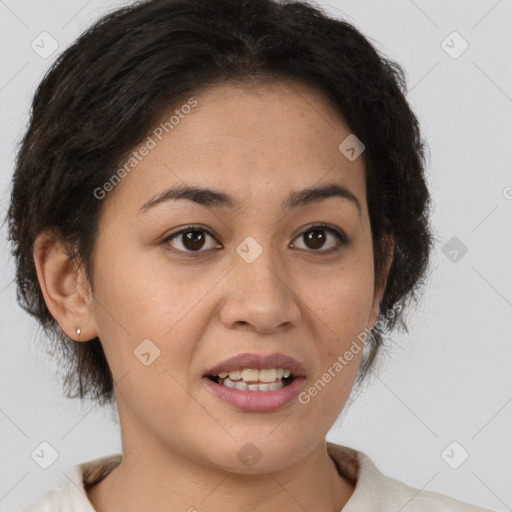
78, 331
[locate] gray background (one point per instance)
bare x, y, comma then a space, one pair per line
449, 379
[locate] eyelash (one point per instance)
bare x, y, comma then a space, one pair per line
342, 238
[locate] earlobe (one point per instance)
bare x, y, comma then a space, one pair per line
66, 297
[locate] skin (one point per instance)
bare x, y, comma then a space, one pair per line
180, 442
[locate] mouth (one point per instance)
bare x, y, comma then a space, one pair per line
256, 383
248, 379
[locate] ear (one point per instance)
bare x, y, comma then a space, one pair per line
65, 289
380, 285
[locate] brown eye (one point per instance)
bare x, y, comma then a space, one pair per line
318, 236
193, 240
190, 240
315, 238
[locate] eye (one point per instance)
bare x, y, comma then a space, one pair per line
190, 239
315, 237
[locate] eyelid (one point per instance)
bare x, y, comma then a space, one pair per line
188, 227
340, 235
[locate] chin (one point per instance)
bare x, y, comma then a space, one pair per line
255, 453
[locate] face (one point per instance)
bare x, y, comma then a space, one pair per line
183, 285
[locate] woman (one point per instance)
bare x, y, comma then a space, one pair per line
217, 210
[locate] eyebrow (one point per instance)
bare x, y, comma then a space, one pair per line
217, 199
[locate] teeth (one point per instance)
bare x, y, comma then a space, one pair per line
234, 375
250, 375
249, 379
242, 386
267, 375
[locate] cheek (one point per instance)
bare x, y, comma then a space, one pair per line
144, 298
340, 301
136, 303
341, 307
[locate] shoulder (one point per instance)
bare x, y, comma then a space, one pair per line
49, 502
71, 497
376, 492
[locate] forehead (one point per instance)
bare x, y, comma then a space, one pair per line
258, 141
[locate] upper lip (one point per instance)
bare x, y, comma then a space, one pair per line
258, 362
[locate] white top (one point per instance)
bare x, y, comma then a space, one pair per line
374, 491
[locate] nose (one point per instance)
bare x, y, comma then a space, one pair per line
259, 296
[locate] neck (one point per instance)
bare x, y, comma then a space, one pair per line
147, 480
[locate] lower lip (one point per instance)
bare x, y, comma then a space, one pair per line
257, 401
